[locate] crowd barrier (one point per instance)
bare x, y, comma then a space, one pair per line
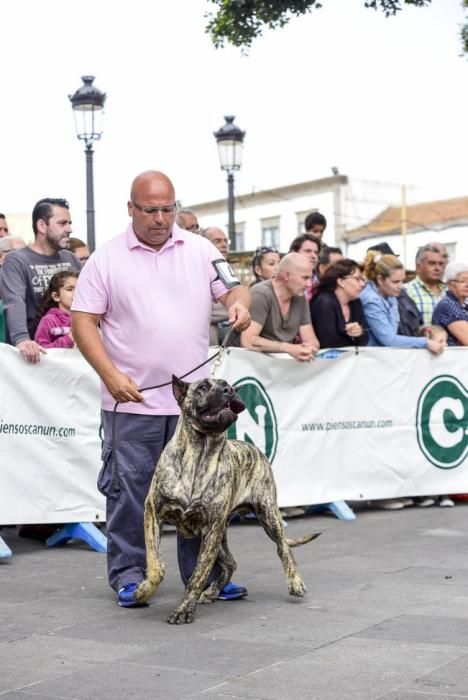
378, 424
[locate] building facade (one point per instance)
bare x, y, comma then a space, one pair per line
275, 217
407, 229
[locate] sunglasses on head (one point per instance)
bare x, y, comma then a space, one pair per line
265, 249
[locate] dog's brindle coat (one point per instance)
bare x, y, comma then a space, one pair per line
200, 480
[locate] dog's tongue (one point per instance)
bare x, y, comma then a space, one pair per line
236, 405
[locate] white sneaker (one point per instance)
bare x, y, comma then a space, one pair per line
390, 504
424, 501
407, 501
446, 502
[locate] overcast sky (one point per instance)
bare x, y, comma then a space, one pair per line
381, 99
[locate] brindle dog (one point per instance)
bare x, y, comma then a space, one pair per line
201, 479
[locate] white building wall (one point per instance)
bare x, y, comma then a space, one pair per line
286, 210
455, 237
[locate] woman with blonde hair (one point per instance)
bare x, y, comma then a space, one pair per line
385, 276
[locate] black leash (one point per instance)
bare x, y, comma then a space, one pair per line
226, 342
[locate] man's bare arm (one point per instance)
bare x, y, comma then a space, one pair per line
87, 337
252, 340
308, 336
237, 302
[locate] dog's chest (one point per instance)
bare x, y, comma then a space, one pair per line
192, 492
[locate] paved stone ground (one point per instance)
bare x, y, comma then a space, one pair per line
386, 616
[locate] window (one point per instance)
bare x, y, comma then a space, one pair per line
270, 232
240, 238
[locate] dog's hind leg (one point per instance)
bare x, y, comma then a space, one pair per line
227, 565
154, 564
209, 548
270, 518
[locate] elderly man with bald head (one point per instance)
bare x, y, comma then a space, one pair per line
280, 313
149, 290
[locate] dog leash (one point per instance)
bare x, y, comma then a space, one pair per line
217, 358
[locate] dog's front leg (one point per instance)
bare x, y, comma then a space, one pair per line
208, 553
154, 564
227, 565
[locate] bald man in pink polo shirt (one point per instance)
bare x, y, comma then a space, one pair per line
150, 291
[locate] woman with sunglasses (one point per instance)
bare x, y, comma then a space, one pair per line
336, 309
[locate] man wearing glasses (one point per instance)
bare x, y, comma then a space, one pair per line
150, 291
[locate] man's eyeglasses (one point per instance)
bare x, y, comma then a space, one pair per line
194, 228
150, 211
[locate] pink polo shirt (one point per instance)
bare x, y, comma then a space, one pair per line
156, 310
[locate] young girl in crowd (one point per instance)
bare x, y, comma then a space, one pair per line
54, 327
434, 333
265, 264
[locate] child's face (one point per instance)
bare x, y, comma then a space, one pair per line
440, 335
268, 266
64, 297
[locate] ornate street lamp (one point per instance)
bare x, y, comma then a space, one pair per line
88, 103
230, 140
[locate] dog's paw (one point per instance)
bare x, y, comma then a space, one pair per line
181, 616
297, 587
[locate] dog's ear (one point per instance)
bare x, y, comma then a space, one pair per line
179, 388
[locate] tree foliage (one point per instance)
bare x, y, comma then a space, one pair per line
239, 22
464, 29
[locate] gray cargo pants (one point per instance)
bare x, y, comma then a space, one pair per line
139, 442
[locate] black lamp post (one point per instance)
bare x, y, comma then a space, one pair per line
87, 103
230, 140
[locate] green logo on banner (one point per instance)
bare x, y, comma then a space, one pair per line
257, 424
442, 422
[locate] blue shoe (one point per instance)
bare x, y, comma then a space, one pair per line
127, 596
232, 591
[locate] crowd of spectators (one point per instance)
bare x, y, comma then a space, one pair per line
311, 298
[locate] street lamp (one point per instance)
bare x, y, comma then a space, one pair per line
230, 140
87, 103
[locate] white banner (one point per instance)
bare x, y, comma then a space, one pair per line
49, 439
380, 424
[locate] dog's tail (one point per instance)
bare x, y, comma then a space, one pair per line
303, 540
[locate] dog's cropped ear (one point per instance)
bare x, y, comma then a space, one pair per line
179, 388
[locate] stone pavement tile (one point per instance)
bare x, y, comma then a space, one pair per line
17, 676
225, 657
427, 629
298, 624
149, 625
408, 695
54, 654
23, 695
352, 668
49, 614
451, 679
442, 576
125, 681
220, 696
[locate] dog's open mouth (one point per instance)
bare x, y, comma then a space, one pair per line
222, 416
